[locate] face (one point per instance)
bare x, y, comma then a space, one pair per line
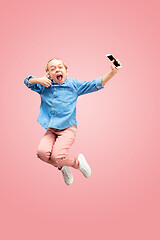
57, 71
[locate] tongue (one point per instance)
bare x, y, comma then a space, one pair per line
59, 78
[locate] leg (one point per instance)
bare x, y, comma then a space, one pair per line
59, 156
46, 145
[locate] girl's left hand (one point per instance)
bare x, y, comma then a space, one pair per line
113, 67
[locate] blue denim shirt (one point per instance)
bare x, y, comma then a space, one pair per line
58, 102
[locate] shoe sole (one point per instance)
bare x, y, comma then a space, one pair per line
84, 160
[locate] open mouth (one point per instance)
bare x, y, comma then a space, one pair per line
59, 77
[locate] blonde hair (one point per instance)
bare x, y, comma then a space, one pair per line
46, 67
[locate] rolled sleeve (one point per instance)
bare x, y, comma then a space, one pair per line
84, 87
99, 83
34, 87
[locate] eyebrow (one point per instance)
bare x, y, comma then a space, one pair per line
55, 66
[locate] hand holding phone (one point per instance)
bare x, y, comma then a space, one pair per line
111, 58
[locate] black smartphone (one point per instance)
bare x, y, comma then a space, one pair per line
111, 58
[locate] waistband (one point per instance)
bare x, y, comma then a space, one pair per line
58, 130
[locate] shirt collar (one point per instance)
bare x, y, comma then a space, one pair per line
57, 83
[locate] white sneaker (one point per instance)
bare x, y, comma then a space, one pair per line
67, 175
84, 166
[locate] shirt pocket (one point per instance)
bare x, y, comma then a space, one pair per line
66, 95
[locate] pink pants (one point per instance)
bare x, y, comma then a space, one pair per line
54, 147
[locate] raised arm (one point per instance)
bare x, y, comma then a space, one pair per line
84, 87
37, 84
44, 81
111, 73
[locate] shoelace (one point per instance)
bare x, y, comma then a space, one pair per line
83, 169
65, 173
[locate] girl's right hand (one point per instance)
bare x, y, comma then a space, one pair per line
45, 81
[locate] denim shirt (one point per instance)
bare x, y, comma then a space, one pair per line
58, 101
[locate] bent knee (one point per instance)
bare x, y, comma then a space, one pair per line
44, 155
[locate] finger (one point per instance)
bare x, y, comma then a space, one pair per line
118, 61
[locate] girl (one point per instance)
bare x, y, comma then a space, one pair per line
58, 115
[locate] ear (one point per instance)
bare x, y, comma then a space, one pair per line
47, 74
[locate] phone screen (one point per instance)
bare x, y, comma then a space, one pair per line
111, 58
116, 63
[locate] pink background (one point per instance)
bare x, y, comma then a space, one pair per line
118, 127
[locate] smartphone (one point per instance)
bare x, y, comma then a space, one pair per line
111, 58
